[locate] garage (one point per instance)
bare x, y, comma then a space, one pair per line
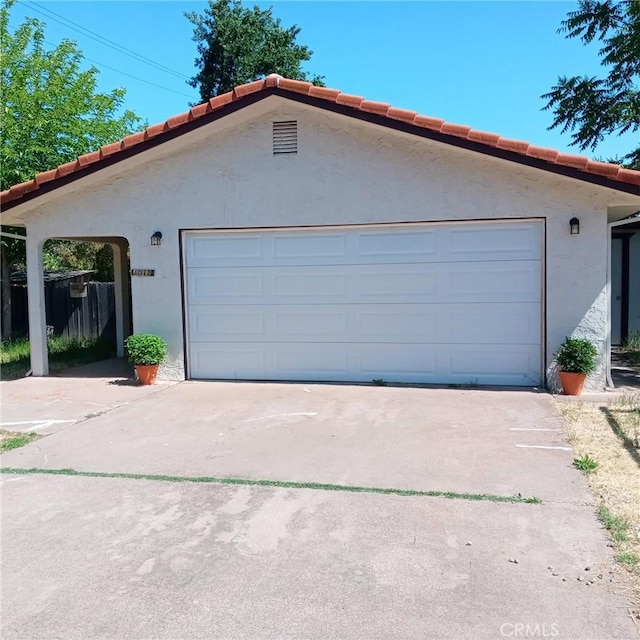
457, 303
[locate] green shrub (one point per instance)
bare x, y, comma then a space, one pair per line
146, 348
576, 355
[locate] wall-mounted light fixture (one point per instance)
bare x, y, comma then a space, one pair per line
156, 239
574, 225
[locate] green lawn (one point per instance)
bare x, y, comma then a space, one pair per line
64, 353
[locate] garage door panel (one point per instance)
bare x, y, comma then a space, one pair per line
519, 363
203, 251
227, 361
380, 246
319, 246
232, 324
410, 303
396, 362
492, 282
363, 363
385, 245
207, 286
397, 282
499, 242
323, 324
331, 360
305, 283
373, 284
418, 323
493, 324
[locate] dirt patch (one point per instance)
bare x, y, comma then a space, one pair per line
610, 434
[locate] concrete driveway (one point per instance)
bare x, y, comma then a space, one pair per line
120, 557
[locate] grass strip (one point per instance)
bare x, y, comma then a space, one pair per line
15, 440
271, 483
617, 526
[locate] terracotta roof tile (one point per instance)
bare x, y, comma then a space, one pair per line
199, 110
88, 158
401, 114
217, 102
543, 153
435, 124
582, 165
46, 176
571, 160
628, 175
67, 168
380, 108
298, 86
484, 137
18, 190
324, 93
602, 168
135, 138
109, 149
176, 121
458, 130
519, 146
349, 100
250, 87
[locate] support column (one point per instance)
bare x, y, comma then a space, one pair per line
37, 310
122, 294
118, 295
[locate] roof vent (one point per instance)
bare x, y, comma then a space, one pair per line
285, 137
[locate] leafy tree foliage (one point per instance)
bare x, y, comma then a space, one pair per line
237, 45
66, 254
51, 113
593, 107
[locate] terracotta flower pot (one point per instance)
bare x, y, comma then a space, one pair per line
147, 373
572, 382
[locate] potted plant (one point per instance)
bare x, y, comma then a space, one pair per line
147, 352
576, 359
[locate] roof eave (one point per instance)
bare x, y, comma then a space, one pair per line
328, 105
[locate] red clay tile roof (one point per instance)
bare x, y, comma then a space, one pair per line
552, 160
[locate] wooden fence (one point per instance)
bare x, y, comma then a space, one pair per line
89, 317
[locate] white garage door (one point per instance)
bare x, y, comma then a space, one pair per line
455, 303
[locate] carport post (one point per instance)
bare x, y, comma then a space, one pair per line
120, 275
37, 309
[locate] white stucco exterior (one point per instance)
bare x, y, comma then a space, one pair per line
225, 176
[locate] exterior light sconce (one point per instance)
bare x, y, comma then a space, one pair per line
574, 225
156, 239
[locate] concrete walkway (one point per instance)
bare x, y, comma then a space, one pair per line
167, 559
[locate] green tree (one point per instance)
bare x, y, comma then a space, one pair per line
593, 107
237, 45
51, 113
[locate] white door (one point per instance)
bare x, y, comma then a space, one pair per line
429, 303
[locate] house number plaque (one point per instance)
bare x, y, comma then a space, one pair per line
143, 272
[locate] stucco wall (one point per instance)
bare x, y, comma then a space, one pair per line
345, 172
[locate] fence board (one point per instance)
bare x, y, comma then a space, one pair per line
90, 317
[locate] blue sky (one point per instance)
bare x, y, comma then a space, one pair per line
483, 64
